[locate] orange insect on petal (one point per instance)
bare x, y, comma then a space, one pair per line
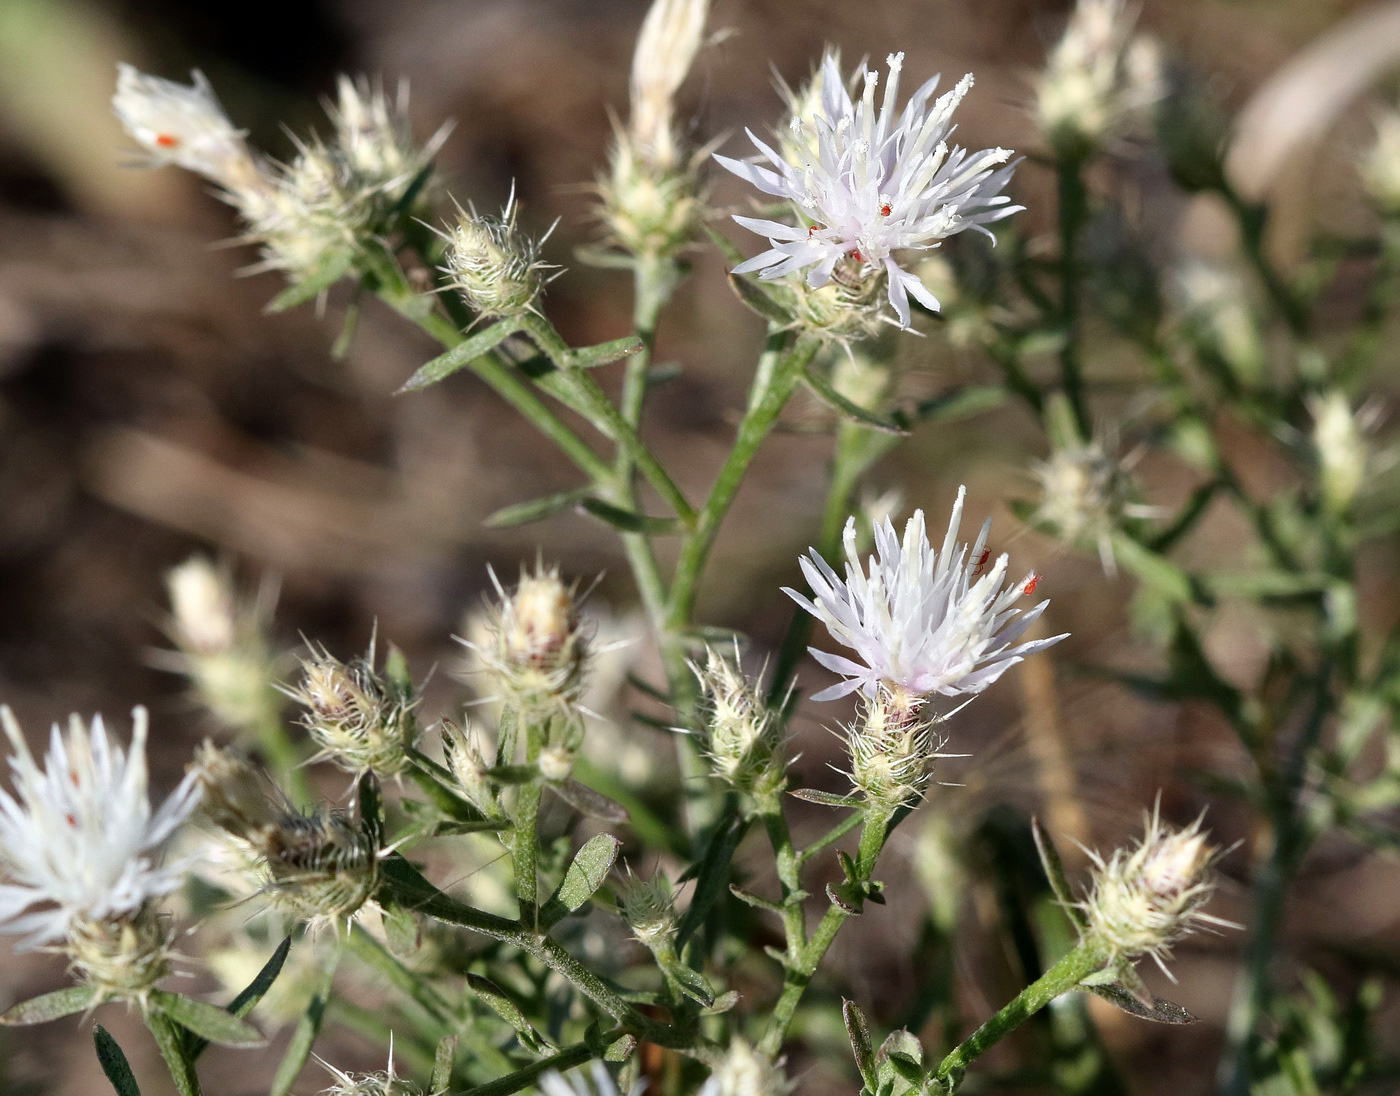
165, 140
885, 210
1031, 583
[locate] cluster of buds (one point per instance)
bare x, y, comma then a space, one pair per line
362, 720
322, 866
744, 1070
494, 266
1380, 166
892, 748
650, 199
1217, 315
535, 650
1345, 455
1085, 493
744, 739
309, 215
221, 644
1098, 81
1144, 899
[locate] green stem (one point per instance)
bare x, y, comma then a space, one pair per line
789, 869
524, 842
1252, 219
170, 1038
1083, 961
281, 753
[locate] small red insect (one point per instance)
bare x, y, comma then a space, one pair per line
856, 255
885, 210
981, 564
1031, 583
165, 140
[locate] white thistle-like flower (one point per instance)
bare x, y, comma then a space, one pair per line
921, 621
183, 124
870, 182
78, 839
597, 1082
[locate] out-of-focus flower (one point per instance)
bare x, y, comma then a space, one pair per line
921, 621
1345, 453
1380, 165
1085, 493
184, 125
496, 267
221, 644
596, 1082
1216, 312
746, 1071
1144, 899
870, 182
1099, 80
78, 839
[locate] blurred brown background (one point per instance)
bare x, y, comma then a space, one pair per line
149, 408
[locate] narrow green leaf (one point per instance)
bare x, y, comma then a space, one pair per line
1055, 872
754, 900
629, 521
370, 807
590, 357
604, 258
723, 1003
441, 1079
49, 1006
251, 994
588, 870
500, 1003
522, 513
727, 247
461, 355
330, 270
825, 391
170, 1038
1160, 1011
305, 1035
207, 1021
759, 300
589, 802
827, 799
858, 1031
114, 1063
711, 873
960, 403
664, 373
690, 981
1153, 570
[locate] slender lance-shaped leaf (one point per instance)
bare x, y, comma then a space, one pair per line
522, 513
254, 992
1160, 1011
629, 521
114, 1063
825, 391
1055, 872
588, 870
329, 271
590, 357
49, 1006
461, 355
500, 1003
760, 300
859, 1033
207, 1021
441, 1079
305, 1035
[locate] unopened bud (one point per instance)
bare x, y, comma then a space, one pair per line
743, 737
495, 266
536, 651
1343, 450
1144, 899
649, 210
387, 1083
123, 959
649, 908
468, 764
361, 720
747, 1071
1217, 314
1380, 166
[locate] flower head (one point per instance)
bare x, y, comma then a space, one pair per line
183, 124
743, 739
747, 1071
496, 267
1380, 165
872, 181
362, 720
78, 838
921, 621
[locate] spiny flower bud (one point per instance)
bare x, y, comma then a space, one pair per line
1099, 79
221, 644
1085, 493
184, 125
1216, 313
314, 216
124, 958
892, 749
848, 309
743, 738
323, 866
1380, 166
374, 138
1144, 899
462, 749
387, 1083
649, 211
747, 1071
649, 908
495, 266
536, 651
363, 721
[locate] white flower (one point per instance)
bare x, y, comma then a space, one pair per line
183, 124
599, 1082
871, 182
1380, 165
921, 621
746, 1071
79, 838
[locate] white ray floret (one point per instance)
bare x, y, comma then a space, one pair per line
868, 182
78, 839
918, 620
